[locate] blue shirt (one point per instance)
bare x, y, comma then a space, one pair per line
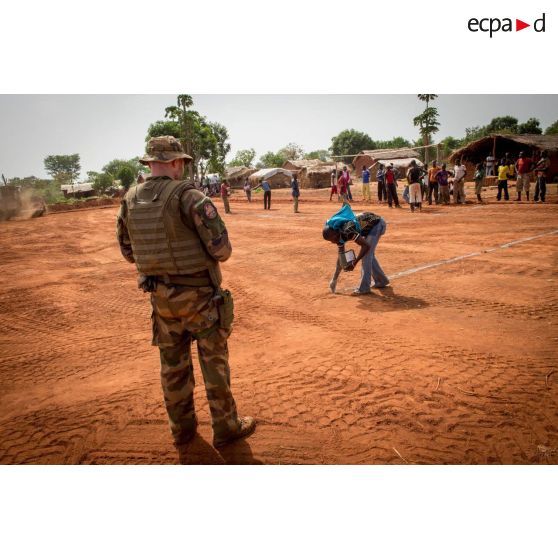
365, 176
266, 187
295, 189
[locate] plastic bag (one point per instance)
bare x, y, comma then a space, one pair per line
341, 217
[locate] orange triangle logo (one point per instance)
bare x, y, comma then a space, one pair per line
519, 25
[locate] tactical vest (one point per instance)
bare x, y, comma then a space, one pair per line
162, 244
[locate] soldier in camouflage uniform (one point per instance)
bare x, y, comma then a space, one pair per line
176, 238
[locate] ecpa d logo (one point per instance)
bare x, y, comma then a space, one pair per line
495, 24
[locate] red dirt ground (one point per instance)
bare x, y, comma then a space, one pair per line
453, 364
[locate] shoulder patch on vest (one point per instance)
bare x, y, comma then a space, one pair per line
209, 210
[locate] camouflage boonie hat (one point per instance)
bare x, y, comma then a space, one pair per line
164, 149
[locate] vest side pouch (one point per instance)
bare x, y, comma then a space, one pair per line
226, 309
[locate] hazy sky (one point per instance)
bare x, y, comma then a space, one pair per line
105, 127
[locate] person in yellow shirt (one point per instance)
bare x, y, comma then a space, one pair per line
503, 175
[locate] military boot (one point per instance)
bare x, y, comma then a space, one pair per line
184, 437
518, 196
246, 426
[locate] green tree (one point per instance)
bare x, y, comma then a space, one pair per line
271, 160
449, 144
394, 143
103, 183
427, 121
126, 176
350, 142
218, 147
427, 97
92, 175
164, 128
322, 154
474, 133
63, 167
206, 142
531, 126
243, 158
552, 129
292, 151
503, 124
115, 166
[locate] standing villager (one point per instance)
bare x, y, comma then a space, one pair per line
415, 191
206, 186
459, 172
365, 229
442, 177
333, 186
348, 181
267, 194
342, 188
213, 185
381, 178
391, 185
523, 167
433, 183
541, 169
424, 182
176, 238
405, 194
503, 175
247, 190
491, 166
225, 195
295, 192
366, 184
479, 178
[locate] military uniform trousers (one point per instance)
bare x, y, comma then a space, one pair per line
180, 315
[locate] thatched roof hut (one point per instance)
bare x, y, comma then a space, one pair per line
296, 165
237, 175
499, 144
318, 176
368, 157
277, 178
83, 190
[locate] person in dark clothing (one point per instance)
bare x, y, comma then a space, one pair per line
381, 178
295, 192
391, 186
541, 170
267, 194
414, 175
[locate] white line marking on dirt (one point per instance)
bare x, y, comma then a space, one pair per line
471, 255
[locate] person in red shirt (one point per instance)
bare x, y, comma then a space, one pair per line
225, 194
391, 185
523, 167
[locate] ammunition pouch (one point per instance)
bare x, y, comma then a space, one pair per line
225, 305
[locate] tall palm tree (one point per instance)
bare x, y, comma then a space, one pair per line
427, 121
